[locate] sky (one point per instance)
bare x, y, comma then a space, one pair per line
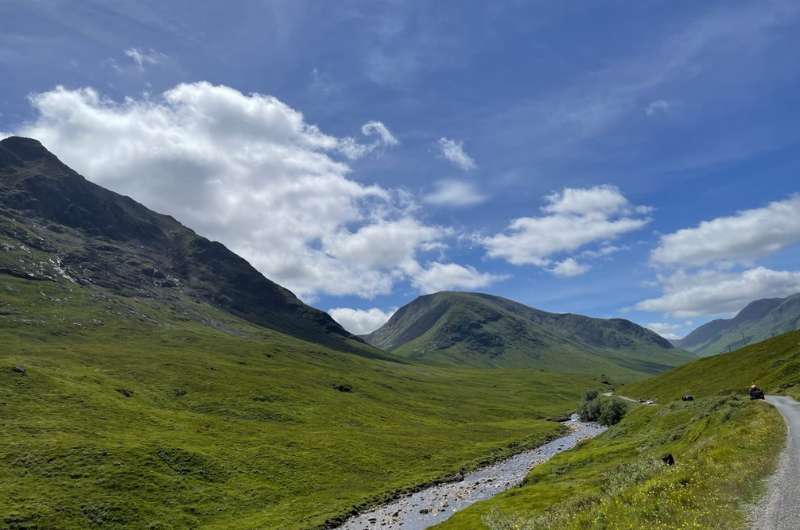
613, 159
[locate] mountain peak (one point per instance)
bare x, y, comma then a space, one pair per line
478, 329
16, 149
83, 232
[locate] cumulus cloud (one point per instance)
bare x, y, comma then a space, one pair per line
714, 292
574, 218
453, 150
144, 58
665, 329
454, 193
249, 171
742, 237
709, 269
568, 268
360, 321
449, 276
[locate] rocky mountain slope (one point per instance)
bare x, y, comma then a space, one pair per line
482, 330
57, 226
759, 320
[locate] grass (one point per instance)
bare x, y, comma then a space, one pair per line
773, 364
472, 329
226, 425
722, 447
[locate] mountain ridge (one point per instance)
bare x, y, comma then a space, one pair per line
55, 224
479, 329
757, 321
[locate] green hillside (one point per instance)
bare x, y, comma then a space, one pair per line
723, 444
481, 330
54, 224
130, 415
758, 321
773, 364
150, 378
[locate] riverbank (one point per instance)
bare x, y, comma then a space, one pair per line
435, 504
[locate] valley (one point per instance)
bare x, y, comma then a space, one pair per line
151, 378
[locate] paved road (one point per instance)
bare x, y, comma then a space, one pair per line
780, 509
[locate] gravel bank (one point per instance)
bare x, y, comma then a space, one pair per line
433, 505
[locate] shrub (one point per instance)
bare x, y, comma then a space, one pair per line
612, 411
590, 395
589, 410
607, 411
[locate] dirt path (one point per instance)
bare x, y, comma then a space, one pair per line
780, 509
433, 505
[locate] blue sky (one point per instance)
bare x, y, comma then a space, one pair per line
605, 158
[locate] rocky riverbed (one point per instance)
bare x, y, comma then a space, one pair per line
435, 504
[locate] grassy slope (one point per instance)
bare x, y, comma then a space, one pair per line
260, 439
773, 364
478, 330
723, 444
617, 480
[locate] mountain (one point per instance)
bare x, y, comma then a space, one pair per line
759, 320
56, 225
151, 379
483, 330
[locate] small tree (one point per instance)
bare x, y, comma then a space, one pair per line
612, 411
589, 409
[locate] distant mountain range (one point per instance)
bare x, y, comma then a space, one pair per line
489, 331
758, 321
55, 224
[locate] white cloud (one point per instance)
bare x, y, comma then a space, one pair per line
246, 170
454, 193
352, 149
713, 292
599, 200
605, 249
144, 58
742, 237
372, 128
452, 276
453, 150
665, 329
360, 321
569, 268
574, 218
659, 106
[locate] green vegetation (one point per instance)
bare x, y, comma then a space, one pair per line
721, 447
774, 365
488, 331
54, 224
722, 443
228, 425
605, 410
758, 321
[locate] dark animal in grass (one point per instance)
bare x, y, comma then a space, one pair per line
20, 370
125, 392
343, 388
668, 459
687, 397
